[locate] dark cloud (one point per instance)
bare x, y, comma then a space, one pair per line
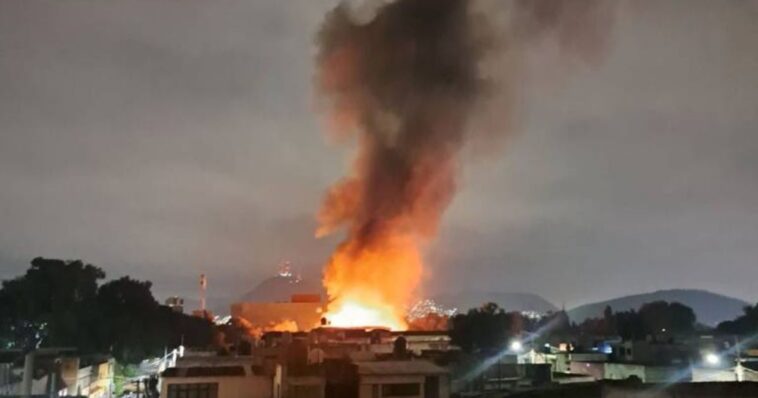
166, 138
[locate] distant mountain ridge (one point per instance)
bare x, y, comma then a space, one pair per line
710, 308
506, 300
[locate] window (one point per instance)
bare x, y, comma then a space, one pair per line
305, 391
432, 387
401, 390
193, 390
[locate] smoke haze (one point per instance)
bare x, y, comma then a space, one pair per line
403, 85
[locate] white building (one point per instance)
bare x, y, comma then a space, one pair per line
217, 377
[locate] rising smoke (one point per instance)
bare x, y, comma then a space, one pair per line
404, 86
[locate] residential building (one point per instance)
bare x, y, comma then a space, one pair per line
175, 303
216, 377
411, 379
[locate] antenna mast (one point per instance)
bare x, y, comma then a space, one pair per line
203, 287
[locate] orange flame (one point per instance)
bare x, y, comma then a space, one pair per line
371, 286
403, 86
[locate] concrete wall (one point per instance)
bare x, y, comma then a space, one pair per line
700, 375
444, 386
365, 389
667, 374
623, 371
594, 369
228, 386
563, 359
652, 352
305, 387
367, 383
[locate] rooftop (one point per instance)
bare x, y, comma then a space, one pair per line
204, 371
399, 367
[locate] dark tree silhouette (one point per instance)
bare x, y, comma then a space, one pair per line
50, 305
651, 319
661, 316
485, 329
746, 324
59, 303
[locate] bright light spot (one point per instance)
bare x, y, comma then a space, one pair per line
712, 359
352, 314
516, 346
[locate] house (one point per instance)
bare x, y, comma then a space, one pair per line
216, 377
55, 371
564, 359
88, 376
414, 378
655, 352
645, 373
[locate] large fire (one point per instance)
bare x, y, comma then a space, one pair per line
403, 85
371, 285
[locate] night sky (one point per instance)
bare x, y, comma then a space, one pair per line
162, 139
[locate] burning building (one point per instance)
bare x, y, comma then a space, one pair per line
302, 312
283, 302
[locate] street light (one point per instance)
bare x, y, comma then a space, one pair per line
712, 359
516, 346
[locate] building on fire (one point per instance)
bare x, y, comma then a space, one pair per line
301, 312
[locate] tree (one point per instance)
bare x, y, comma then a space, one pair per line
134, 326
661, 316
629, 326
126, 310
486, 329
746, 324
653, 318
58, 303
50, 305
554, 325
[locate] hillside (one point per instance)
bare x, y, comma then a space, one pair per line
710, 308
509, 301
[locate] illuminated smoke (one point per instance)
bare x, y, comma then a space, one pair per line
402, 86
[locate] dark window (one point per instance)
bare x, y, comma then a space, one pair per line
401, 390
432, 387
307, 391
193, 390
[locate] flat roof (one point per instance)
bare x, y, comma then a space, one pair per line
398, 368
204, 371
